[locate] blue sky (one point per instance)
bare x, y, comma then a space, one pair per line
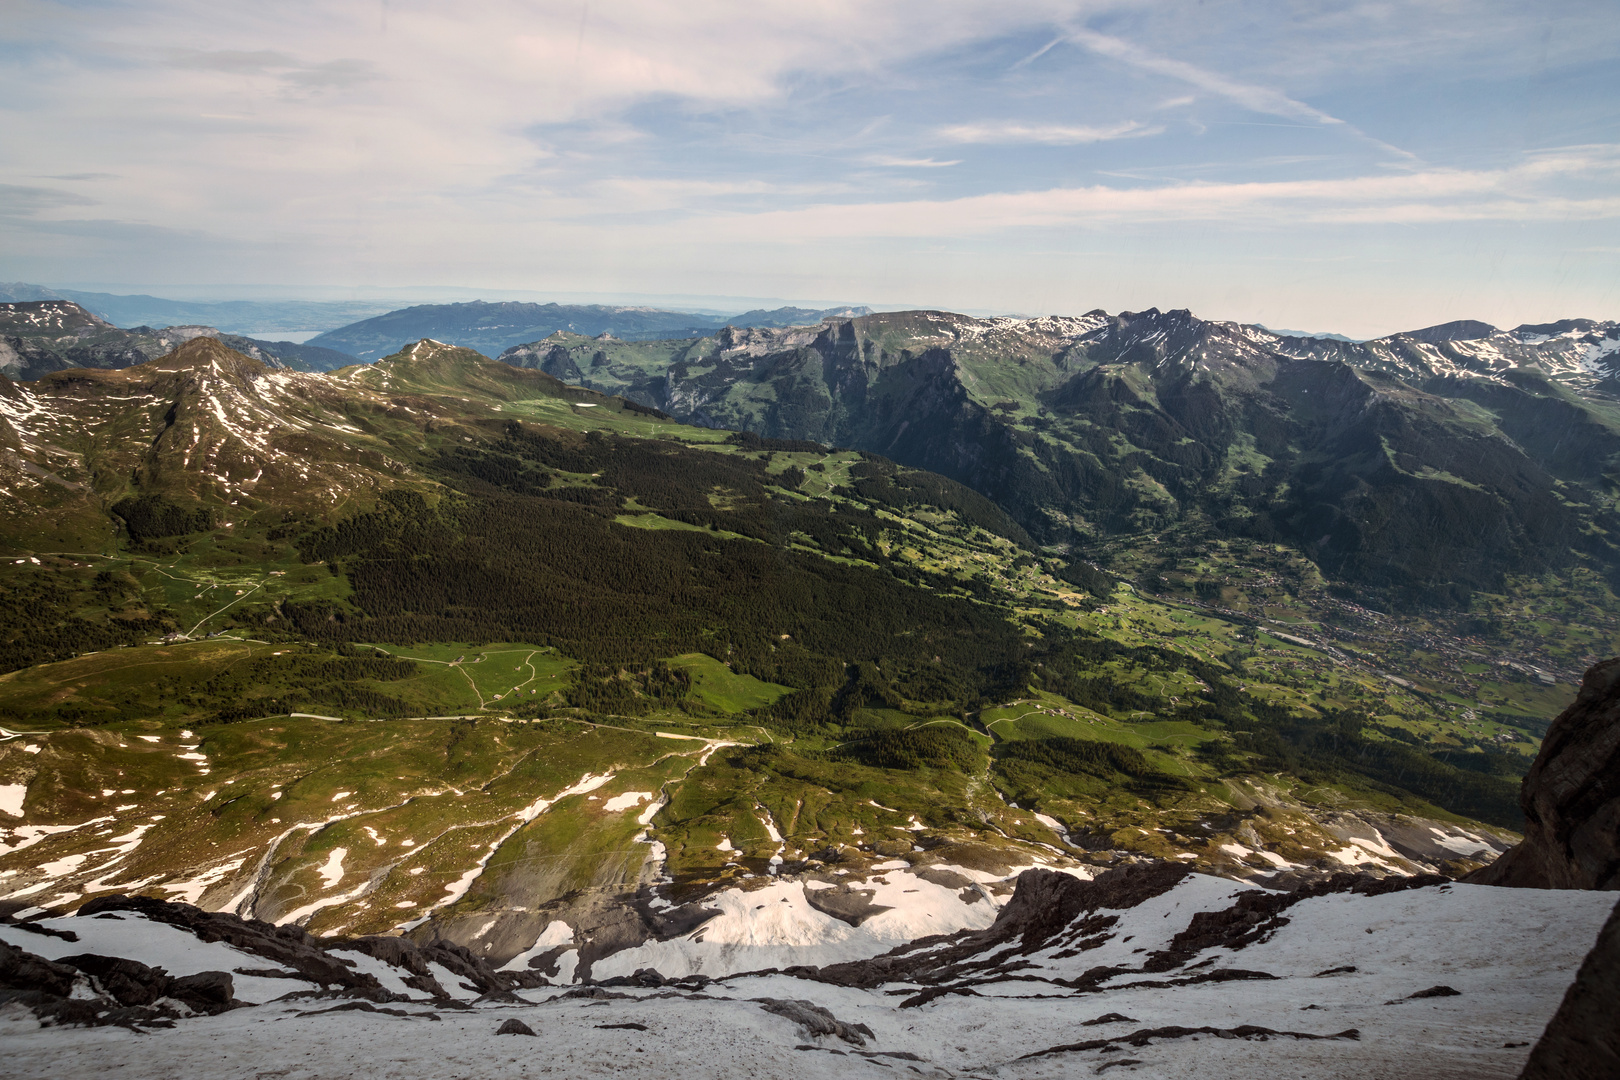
1359, 167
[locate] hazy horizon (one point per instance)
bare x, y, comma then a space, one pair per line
406, 296
1360, 170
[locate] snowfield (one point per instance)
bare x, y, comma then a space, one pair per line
1328, 993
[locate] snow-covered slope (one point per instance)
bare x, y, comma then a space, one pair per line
1150, 971
1580, 353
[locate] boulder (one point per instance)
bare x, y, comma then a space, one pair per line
514, 1027
816, 1020
207, 992
129, 982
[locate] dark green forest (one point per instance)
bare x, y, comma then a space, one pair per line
524, 553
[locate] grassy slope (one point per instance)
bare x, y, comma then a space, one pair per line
452, 786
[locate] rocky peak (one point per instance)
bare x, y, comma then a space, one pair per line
1562, 326
1456, 330
203, 353
428, 350
49, 318
1178, 341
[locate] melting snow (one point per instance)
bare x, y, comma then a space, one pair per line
587, 783
627, 800
190, 890
775, 926
11, 798
332, 872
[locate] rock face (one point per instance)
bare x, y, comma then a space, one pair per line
321, 961
1582, 1041
1571, 798
101, 990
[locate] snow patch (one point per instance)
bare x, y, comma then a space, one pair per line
775, 926
11, 800
190, 891
627, 800
332, 872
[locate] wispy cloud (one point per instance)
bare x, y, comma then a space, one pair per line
1527, 193
1252, 96
305, 75
16, 199
230, 61
1048, 134
1263, 99
889, 161
653, 143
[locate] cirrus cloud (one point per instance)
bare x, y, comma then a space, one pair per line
1047, 134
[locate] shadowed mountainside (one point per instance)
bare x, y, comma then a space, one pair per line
1429, 464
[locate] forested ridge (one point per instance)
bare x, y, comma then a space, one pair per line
525, 551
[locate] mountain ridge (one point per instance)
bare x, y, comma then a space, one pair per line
494, 326
39, 337
1029, 409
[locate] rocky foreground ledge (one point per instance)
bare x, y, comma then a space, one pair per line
1151, 970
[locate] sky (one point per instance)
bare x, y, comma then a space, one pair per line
1352, 166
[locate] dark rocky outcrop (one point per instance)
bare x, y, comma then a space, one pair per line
1256, 915
1067, 916
843, 901
816, 1020
472, 972
289, 946
21, 970
320, 960
1146, 1036
1571, 798
110, 990
1582, 1041
1044, 905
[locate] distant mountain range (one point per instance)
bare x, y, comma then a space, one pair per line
249, 317
38, 337
1431, 462
493, 327
367, 331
